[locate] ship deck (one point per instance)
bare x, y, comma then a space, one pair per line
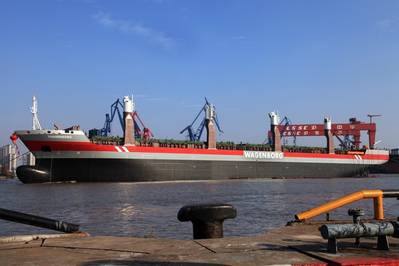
300, 244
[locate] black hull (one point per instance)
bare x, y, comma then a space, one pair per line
136, 170
391, 167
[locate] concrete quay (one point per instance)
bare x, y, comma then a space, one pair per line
299, 244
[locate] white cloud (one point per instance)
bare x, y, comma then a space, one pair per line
388, 24
129, 27
239, 37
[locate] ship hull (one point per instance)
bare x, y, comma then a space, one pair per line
69, 156
136, 170
391, 167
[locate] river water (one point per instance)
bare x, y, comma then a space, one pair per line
150, 209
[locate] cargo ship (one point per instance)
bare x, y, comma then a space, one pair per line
69, 155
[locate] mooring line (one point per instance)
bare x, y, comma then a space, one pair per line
103, 249
211, 250
314, 256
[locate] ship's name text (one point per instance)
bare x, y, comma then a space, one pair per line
263, 155
59, 137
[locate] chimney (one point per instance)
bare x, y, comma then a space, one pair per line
276, 138
210, 126
128, 131
329, 135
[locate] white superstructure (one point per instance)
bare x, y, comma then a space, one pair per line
128, 104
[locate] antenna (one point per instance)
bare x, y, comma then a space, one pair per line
371, 117
35, 120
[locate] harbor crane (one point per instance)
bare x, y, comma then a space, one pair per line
109, 117
348, 134
140, 130
370, 116
194, 134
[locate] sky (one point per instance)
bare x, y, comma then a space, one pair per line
304, 59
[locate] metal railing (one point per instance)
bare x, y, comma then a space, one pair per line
376, 195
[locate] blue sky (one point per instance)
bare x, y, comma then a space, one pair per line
305, 59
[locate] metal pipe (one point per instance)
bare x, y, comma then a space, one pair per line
378, 208
358, 230
38, 221
377, 195
390, 193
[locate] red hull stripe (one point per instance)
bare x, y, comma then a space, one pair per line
88, 146
354, 262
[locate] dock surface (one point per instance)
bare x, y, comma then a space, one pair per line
300, 244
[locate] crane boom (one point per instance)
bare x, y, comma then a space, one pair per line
195, 134
141, 131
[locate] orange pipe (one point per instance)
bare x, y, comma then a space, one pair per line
379, 208
377, 195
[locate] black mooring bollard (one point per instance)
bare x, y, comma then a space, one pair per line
38, 221
207, 219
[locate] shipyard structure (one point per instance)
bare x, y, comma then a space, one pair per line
70, 155
8, 160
